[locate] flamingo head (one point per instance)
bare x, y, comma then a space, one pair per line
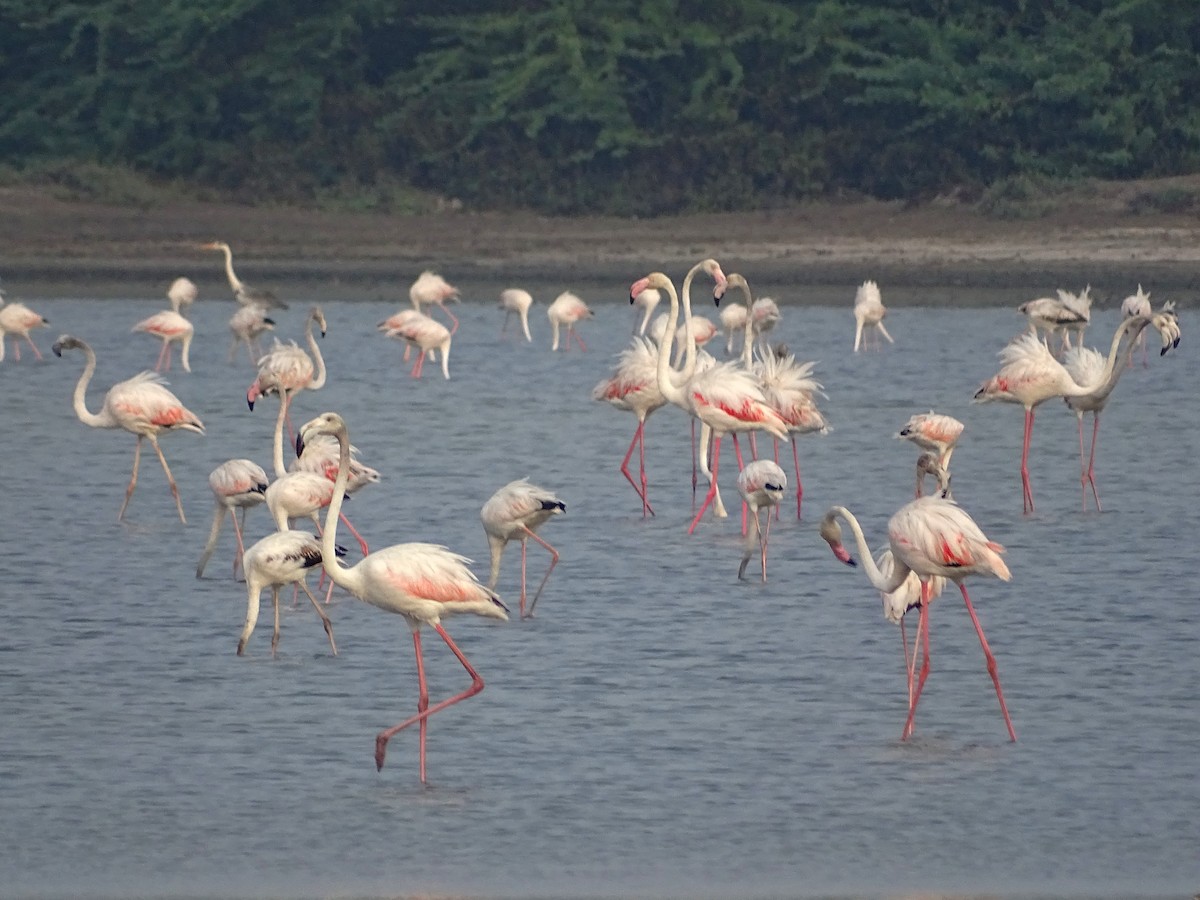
319, 317
215, 245
66, 342
831, 533
326, 423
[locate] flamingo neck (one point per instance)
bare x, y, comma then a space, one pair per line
233, 279
689, 351
348, 578
1114, 367
95, 420
672, 391
318, 381
747, 338
280, 469
877, 579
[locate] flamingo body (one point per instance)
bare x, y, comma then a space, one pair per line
761, 483
869, 312
515, 512
237, 485
18, 320
569, 310
515, 301
280, 559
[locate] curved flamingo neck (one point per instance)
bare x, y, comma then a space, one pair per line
280, 469
96, 420
876, 577
747, 338
689, 352
349, 578
233, 279
672, 391
1114, 367
318, 381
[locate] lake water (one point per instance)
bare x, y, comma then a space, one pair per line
660, 728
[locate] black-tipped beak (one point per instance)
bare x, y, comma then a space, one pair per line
632, 299
57, 348
250, 403
272, 322
299, 445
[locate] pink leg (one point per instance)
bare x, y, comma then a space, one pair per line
33, 347
763, 534
170, 479
991, 662
571, 330
137, 458
923, 640
642, 470
1091, 469
712, 485
637, 440
361, 543
908, 665
1027, 500
17, 348
418, 365
453, 319
799, 483
545, 578
237, 530
737, 451
693, 462
424, 711
161, 353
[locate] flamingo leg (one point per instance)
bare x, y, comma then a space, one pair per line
275, 633
354, 531
737, 451
991, 662
320, 612
17, 348
161, 353
799, 483
712, 481
693, 462
170, 478
237, 530
922, 639
419, 365
578, 339
1091, 468
33, 347
545, 578
137, 458
454, 320
763, 534
1027, 500
908, 664
424, 711
523, 577
641, 491
642, 469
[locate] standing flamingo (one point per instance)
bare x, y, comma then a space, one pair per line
246, 325
647, 301
868, 314
287, 369
1053, 316
421, 582
764, 315
734, 318
517, 510
516, 301
1030, 375
567, 309
1138, 305
18, 320
279, 559
244, 294
931, 537
140, 405
761, 483
172, 326
724, 397
934, 432
237, 485
431, 289
428, 335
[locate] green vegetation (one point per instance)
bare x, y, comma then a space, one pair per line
623, 106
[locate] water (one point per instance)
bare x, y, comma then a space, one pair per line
659, 728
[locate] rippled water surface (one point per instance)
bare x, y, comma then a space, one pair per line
660, 727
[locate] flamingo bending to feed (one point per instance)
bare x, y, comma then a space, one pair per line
930, 537
171, 326
428, 335
868, 316
897, 603
516, 301
569, 310
928, 464
237, 485
247, 325
18, 320
764, 315
761, 483
934, 432
431, 289
244, 294
1054, 316
647, 301
1138, 305
287, 369
421, 582
633, 386
516, 511
140, 405
1030, 375
280, 559
725, 397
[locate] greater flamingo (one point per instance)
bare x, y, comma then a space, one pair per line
246, 325
764, 315
898, 602
569, 310
761, 484
934, 432
647, 301
1030, 375
431, 289
287, 369
1053, 316
725, 398
280, 559
427, 335
633, 386
244, 294
932, 537
171, 326
515, 301
421, 582
1138, 305
929, 464
515, 512
734, 318
140, 405
868, 315
18, 320
237, 485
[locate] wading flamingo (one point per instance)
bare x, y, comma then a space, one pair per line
244, 294
515, 512
868, 316
934, 432
171, 326
515, 301
569, 310
140, 405
1138, 305
931, 537
647, 301
246, 325
421, 582
18, 320
898, 602
237, 485
429, 336
431, 289
287, 369
761, 483
277, 560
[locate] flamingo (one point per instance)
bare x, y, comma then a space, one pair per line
764, 315
515, 300
934, 432
1138, 305
421, 582
697, 330
929, 464
761, 483
517, 510
724, 397
1030, 375
647, 301
868, 314
1052, 315
633, 386
237, 485
244, 294
1090, 370
428, 335
734, 317
279, 559
431, 289
18, 320
567, 309
287, 369
140, 405
931, 537
171, 326
246, 325
321, 457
